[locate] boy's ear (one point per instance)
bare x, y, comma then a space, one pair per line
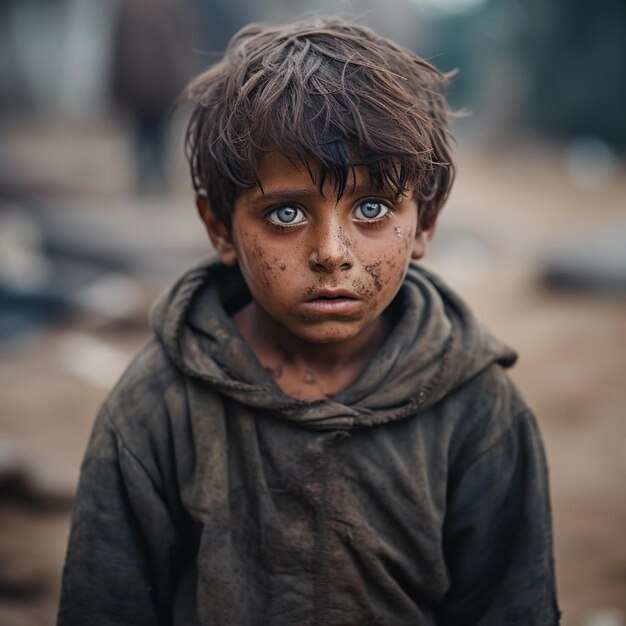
422, 236
218, 233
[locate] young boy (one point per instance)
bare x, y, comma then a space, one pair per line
320, 433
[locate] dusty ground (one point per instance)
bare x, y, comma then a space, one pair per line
573, 358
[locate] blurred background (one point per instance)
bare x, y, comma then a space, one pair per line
97, 217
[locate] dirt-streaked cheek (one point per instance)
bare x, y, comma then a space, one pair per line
263, 266
384, 268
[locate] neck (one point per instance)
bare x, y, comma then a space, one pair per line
276, 347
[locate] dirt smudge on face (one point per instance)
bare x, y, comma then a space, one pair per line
343, 238
373, 270
256, 259
277, 263
362, 289
268, 272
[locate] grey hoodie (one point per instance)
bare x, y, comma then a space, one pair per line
416, 496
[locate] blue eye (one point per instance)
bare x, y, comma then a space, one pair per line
371, 210
286, 215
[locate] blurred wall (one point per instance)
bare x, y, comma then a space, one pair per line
55, 55
554, 67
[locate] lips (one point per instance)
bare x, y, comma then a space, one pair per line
333, 302
329, 295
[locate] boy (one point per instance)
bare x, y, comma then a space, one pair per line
320, 432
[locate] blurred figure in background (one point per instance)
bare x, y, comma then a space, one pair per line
152, 40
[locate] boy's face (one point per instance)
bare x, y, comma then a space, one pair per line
319, 268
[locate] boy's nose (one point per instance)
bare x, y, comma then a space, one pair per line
331, 253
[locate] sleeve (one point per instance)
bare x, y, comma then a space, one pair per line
123, 551
498, 536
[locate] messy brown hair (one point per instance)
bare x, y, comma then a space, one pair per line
326, 91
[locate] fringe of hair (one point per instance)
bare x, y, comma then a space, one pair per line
327, 92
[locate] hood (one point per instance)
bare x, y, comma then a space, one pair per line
435, 347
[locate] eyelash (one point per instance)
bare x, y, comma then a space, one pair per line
285, 226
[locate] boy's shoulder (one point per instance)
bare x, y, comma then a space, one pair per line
485, 418
145, 381
138, 408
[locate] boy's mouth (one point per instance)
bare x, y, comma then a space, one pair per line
331, 295
334, 302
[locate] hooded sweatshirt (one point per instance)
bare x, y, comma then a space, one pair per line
416, 496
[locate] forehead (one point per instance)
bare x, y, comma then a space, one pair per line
279, 173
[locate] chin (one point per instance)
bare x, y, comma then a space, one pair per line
327, 333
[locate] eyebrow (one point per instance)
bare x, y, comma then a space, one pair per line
284, 195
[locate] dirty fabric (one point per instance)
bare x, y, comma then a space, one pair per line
417, 496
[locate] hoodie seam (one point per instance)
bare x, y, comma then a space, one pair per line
322, 587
